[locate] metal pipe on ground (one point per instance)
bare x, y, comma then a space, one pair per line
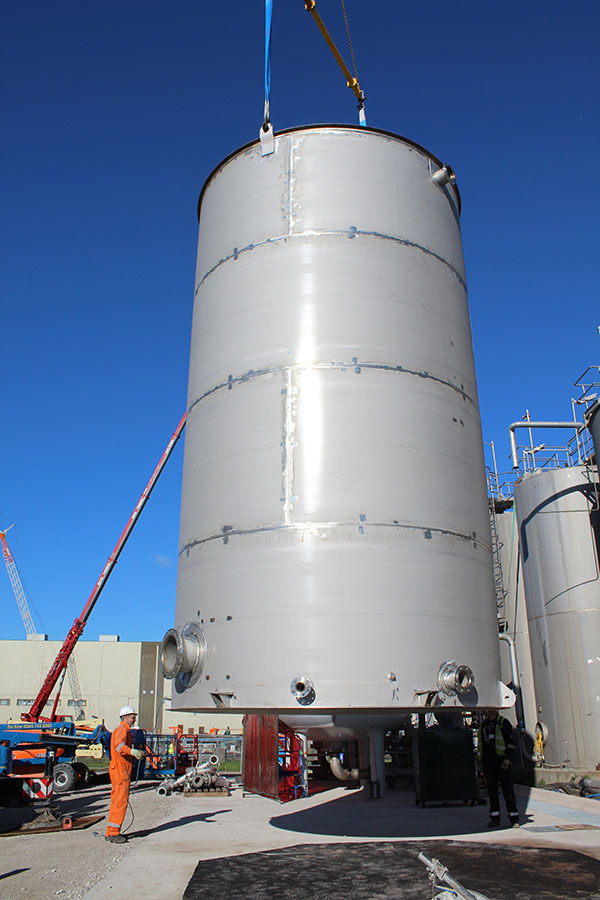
440, 871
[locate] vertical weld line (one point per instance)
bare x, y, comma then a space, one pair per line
287, 474
291, 151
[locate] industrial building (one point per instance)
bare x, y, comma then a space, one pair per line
110, 673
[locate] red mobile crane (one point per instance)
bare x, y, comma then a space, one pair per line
60, 663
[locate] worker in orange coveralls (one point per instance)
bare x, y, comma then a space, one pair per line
121, 763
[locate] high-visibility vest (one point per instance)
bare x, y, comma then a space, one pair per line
499, 740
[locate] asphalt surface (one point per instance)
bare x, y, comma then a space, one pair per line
387, 871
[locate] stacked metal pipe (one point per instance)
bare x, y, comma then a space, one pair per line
195, 778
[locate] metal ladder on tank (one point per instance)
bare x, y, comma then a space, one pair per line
495, 492
497, 546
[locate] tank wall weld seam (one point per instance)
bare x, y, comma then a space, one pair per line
291, 185
427, 531
287, 449
563, 612
355, 365
351, 232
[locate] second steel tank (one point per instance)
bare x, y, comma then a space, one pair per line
559, 554
334, 547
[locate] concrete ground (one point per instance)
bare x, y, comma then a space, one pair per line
66, 864
161, 863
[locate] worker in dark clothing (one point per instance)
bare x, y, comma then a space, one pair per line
495, 749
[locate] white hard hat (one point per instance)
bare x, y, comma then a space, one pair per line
127, 711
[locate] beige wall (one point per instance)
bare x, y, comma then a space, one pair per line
111, 674
108, 673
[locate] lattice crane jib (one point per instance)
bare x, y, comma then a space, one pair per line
23, 606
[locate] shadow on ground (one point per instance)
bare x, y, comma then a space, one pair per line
395, 816
12, 872
177, 823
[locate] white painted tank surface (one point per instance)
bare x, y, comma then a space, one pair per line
559, 557
334, 548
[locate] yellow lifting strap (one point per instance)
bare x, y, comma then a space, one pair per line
351, 81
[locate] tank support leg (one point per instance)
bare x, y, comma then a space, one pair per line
377, 763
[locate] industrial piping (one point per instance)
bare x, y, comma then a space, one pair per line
340, 772
195, 778
514, 674
524, 424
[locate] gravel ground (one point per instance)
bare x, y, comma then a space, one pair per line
67, 864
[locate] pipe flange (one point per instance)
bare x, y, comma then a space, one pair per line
183, 655
193, 636
454, 678
170, 656
303, 690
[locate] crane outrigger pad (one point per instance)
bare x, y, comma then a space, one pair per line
49, 821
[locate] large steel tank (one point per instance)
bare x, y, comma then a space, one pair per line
334, 546
559, 557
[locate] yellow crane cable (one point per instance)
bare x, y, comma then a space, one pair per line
351, 80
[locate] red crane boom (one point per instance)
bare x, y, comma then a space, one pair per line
76, 630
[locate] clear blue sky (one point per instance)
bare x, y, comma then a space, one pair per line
115, 113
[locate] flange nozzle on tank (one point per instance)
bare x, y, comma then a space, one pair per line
443, 176
454, 678
183, 652
303, 690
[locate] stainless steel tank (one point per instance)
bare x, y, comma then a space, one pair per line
334, 547
560, 567
514, 614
